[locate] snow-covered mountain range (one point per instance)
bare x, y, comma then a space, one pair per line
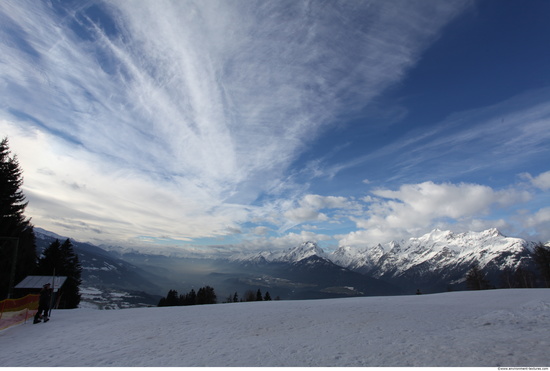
438, 247
435, 261
438, 257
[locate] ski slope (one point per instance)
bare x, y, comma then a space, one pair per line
477, 328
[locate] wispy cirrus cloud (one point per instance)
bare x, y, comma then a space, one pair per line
505, 135
173, 117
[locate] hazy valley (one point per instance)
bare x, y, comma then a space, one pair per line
435, 262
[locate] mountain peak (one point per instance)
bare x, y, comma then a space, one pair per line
435, 235
302, 251
492, 232
438, 235
292, 255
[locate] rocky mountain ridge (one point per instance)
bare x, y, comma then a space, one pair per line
435, 261
437, 252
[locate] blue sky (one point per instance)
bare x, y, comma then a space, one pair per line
221, 126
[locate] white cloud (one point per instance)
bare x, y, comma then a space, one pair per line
174, 119
540, 217
260, 231
539, 222
310, 206
431, 200
111, 204
414, 209
541, 181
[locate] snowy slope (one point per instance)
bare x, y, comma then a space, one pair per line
477, 328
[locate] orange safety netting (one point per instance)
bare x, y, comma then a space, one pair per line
15, 311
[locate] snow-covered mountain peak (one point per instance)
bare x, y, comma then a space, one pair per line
456, 241
291, 255
436, 235
44, 234
492, 232
302, 251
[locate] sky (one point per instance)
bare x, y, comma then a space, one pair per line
208, 127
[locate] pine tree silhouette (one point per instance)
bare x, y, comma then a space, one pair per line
61, 259
541, 257
475, 279
206, 295
17, 239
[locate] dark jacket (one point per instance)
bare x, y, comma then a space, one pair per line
45, 297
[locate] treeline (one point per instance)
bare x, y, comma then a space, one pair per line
18, 256
207, 295
250, 295
476, 278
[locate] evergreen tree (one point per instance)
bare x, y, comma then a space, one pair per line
63, 261
181, 299
259, 295
475, 279
206, 295
249, 295
70, 297
17, 240
524, 278
267, 297
519, 278
541, 256
191, 298
507, 279
172, 299
235, 297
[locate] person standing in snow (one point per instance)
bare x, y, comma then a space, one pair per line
44, 304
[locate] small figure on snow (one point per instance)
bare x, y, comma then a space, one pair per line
44, 304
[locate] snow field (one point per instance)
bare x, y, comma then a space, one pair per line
507, 328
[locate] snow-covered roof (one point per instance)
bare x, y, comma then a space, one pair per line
37, 282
